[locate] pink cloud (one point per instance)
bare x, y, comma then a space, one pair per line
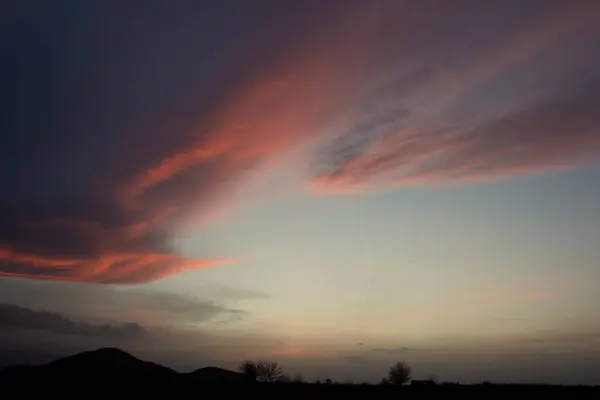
155, 134
563, 133
174, 166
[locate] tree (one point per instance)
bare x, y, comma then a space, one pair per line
250, 369
399, 373
263, 371
269, 371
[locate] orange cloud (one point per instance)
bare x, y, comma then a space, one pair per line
259, 124
168, 129
172, 165
150, 175
113, 268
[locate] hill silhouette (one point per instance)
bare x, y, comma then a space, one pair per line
107, 358
112, 367
115, 366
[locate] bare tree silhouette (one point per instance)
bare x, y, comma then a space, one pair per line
399, 373
263, 371
269, 371
250, 369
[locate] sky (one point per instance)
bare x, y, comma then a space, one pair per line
333, 185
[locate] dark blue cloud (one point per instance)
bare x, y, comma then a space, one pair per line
96, 93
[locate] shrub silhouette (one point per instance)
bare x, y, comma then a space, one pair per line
269, 371
263, 371
250, 369
399, 373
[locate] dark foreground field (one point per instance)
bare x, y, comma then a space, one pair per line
110, 369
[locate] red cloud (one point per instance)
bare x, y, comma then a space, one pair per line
113, 268
152, 133
150, 149
123, 255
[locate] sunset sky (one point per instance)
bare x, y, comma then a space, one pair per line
335, 185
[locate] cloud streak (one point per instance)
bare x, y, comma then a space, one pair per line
149, 308
150, 134
508, 105
122, 136
15, 317
562, 133
32, 335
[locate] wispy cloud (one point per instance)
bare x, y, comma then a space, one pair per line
62, 318
149, 137
560, 133
38, 335
506, 108
120, 140
144, 306
16, 317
